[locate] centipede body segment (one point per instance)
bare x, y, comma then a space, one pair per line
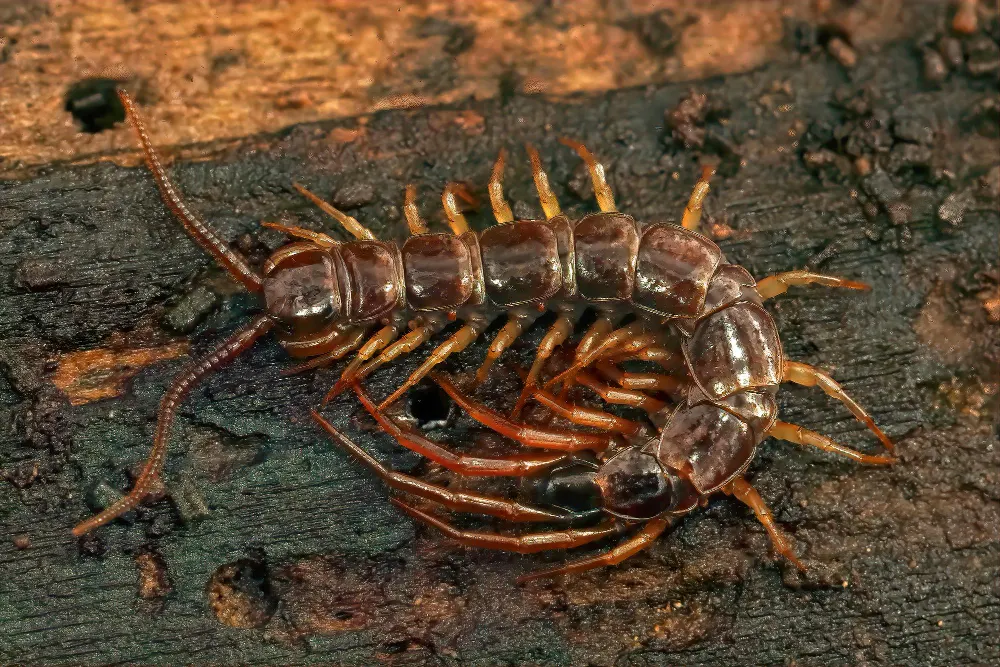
662, 292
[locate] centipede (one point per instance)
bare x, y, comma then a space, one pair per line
660, 293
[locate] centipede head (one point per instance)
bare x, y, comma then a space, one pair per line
302, 294
634, 485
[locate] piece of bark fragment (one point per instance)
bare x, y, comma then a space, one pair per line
239, 594
154, 580
952, 209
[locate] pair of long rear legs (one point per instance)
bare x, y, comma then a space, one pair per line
560, 445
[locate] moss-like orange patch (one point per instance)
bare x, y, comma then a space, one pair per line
91, 375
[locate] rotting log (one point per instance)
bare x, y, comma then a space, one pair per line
270, 545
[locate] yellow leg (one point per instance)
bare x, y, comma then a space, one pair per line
692, 212
358, 230
748, 495
630, 547
803, 436
592, 337
779, 283
413, 220
517, 322
382, 337
501, 210
458, 501
525, 544
602, 191
404, 345
458, 342
630, 334
550, 205
319, 239
583, 416
639, 381
554, 337
619, 395
459, 225
813, 377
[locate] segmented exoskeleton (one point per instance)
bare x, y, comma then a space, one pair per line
323, 298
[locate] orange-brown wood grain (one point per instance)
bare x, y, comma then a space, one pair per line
207, 71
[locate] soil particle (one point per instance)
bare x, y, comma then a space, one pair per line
951, 50
239, 593
41, 274
913, 129
935, 70
44, 423
188, 500
952, 209
990, 183
660, 32
984, 116
190, 310
92, 545
580, 183
154, 580
20, 475
24, 364
686, 120
800, 36
353, 196
459, 37
982, 56
842, 52
880, 187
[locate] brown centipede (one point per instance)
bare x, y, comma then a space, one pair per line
323, 298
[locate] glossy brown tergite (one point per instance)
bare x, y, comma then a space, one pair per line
676, 302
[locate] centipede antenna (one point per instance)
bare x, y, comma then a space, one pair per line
178, 391
501, 210
692, 212
602, 191
200, 231
354, 227
413, 220
459, 225
550, 205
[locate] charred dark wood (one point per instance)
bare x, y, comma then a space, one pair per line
271, 545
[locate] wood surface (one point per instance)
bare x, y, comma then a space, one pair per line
270, 545
217, 70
